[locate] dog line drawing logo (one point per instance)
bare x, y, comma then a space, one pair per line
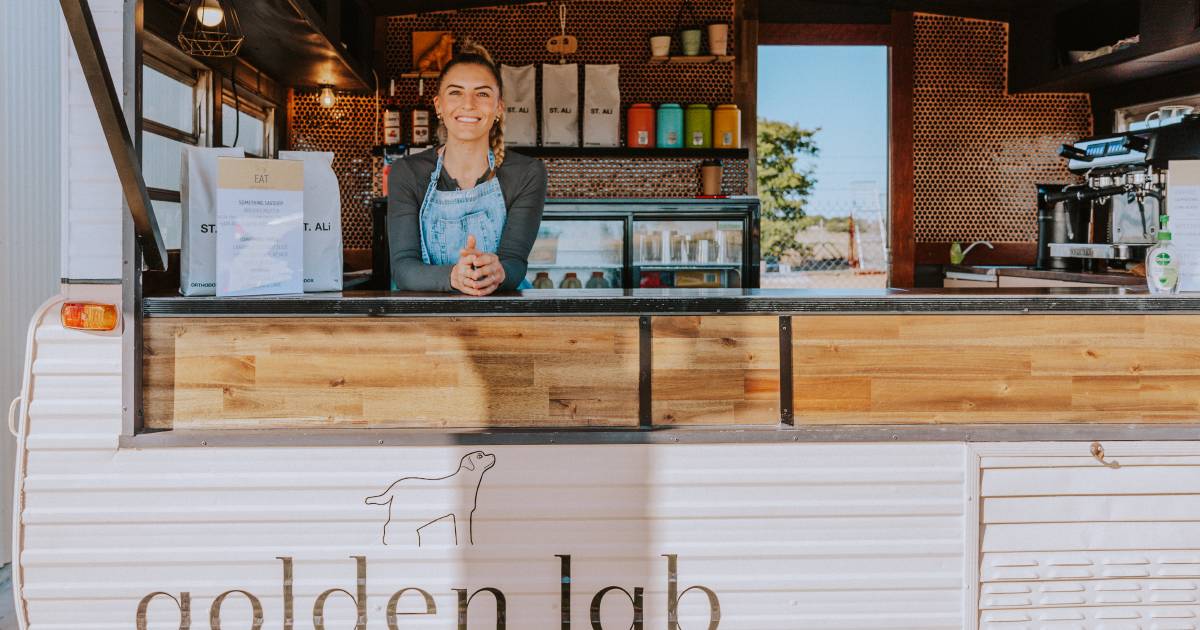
459, 495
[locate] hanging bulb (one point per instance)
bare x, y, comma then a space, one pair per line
328, 98
211, 29
209, 13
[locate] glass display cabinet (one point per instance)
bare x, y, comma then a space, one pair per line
628, 243
647, 243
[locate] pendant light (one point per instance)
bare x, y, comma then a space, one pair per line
211, 29
327, 99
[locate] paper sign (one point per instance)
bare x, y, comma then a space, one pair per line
260, 227
1183, 206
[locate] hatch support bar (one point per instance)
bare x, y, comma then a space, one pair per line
116, 132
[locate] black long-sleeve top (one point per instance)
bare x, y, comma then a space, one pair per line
523, 183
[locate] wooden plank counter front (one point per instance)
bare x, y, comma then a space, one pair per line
584, 371
390, 372
716, 370
908, 369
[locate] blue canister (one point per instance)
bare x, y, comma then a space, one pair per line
669, 126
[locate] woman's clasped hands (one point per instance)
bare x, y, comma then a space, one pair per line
476, 272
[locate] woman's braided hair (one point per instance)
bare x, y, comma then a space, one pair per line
472, 53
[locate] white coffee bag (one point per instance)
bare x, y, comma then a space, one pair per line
322, 221
601, 106
560, 105
520, 105
198, 205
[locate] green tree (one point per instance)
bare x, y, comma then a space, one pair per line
783, 187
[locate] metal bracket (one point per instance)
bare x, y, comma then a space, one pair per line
1098, 453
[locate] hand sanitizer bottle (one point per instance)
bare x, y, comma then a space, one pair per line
1162, 262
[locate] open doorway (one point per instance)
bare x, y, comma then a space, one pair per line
823, 149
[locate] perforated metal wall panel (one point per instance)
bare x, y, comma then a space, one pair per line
979, 151
608, 32
637, 177
516, 35
348, 129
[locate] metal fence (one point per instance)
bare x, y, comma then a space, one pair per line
846, 248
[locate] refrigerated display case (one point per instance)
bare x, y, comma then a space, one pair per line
592, 249
688, 253
704, 243
618, 243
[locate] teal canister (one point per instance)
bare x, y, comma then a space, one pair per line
697, 127
669, 126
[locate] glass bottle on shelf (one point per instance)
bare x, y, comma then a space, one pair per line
543, 281
597, 281
570, 281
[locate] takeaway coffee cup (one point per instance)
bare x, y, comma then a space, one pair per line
690, 42
710, 177
660, 45
718, 39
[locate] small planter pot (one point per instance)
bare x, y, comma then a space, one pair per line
690, 42
660, 45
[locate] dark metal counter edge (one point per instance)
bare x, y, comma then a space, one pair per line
286, 438
385, 307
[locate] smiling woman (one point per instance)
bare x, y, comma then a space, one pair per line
464, 216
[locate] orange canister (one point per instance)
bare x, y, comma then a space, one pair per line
727, 127
639, 124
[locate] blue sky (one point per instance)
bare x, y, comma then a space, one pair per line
842, 90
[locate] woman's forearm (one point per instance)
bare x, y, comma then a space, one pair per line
514, 273
410, 274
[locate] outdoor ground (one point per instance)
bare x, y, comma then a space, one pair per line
845, 279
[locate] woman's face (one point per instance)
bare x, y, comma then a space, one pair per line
468, 102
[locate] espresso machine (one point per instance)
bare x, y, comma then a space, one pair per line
1116, 208
1123, 194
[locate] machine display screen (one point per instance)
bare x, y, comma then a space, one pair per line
1104, 149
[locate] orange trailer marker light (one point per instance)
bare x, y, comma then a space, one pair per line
89, 316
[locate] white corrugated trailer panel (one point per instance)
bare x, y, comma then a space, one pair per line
1070, 543
787, 535
92, 205
30, 184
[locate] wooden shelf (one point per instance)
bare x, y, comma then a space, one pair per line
692, 59
626, 152
419, 75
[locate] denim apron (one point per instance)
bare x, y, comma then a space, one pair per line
448, 216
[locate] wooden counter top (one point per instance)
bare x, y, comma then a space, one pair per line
617, 302
1119, 279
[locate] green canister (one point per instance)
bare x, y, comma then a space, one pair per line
697, 126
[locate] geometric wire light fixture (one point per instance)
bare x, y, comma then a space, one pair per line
210, 29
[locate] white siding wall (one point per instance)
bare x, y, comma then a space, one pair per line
92, 210
789, 536
30, 180
1070, 543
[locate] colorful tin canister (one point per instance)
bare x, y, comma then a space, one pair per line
639, 126
727, 127
697, 126
670, 126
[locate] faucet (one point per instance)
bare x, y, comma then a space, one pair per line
957, 253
